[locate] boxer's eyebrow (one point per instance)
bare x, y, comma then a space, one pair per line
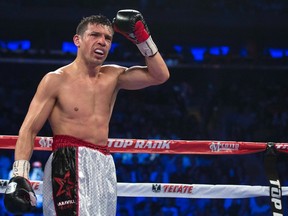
107, 36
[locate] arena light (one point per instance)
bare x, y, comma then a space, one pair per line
243, 52
219, 50
19, 45
225, 50
114, 45
178, 48
215, 51
198, 53
69, 47
276, 53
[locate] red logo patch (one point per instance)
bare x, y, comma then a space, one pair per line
66, 185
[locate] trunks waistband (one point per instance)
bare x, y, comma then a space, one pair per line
62, 141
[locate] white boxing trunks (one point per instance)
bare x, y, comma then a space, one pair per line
79, 179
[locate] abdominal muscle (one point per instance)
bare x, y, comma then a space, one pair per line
92, 128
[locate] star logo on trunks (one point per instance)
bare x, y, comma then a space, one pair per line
66, 185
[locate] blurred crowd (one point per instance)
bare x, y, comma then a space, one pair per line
249, 28
247, 6
195, 104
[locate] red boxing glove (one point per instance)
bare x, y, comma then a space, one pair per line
131, 24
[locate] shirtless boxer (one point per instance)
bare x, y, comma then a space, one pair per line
78, 100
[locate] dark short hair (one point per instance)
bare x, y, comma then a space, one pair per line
93, 19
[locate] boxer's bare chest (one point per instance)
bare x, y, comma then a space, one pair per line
86, 97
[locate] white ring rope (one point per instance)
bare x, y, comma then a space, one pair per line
170, 190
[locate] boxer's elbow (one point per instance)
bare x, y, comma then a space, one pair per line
163, 77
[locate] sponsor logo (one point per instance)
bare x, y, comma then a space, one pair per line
46, 142
139, 144
3, 183
276, 193
169, 188
35, 185
66, 185
187, 189
218, 146
281, 146
65, 190
66, 202
156, 188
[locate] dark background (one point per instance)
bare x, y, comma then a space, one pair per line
240, 96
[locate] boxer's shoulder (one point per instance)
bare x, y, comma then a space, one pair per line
113, 68
55, 76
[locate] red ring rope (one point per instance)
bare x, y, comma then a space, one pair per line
161, 146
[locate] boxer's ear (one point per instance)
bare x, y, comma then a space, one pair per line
76, 40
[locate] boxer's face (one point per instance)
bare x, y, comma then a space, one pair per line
95, 43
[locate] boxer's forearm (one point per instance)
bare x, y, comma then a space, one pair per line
157, 68
25, 143
24, 147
